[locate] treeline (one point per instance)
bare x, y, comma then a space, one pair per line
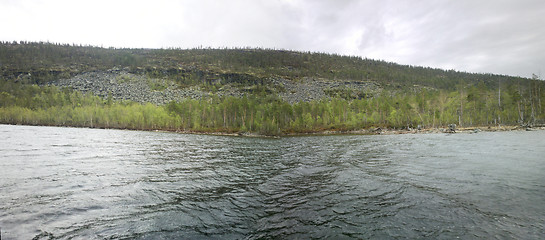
43, 62
466, 106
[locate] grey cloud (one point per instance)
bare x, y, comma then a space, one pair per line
492, 37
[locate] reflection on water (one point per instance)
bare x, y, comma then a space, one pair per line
90, 183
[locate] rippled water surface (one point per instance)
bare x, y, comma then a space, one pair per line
93, 183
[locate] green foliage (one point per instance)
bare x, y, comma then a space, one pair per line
124, 79
46, 105
157, 84
346, 93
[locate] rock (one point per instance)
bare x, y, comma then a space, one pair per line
451, 128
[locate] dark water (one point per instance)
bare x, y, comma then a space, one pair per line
90, 183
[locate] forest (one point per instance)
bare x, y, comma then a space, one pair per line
446, 97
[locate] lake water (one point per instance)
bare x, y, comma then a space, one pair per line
94, 183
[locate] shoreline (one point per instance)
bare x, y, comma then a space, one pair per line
390, 131
367, 131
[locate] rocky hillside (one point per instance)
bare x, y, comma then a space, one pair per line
45, 62
124, 85
163, 75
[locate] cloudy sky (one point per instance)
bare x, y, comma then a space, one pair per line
486, 36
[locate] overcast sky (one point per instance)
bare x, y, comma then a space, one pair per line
486, 36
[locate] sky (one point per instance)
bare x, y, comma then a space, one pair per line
484, 36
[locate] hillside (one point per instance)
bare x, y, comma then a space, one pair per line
48, 61
316, 91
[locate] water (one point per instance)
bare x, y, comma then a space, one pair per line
94, 184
